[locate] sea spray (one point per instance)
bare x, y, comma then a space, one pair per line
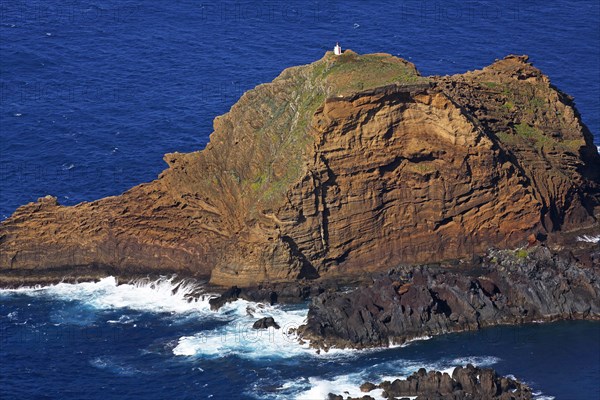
186, 299
589, 238
160, 295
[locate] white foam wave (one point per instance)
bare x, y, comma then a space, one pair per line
161, 295
346, 385
238, 337
589, 238
540, 396
409, 342
234, 336
478, 361
123, 319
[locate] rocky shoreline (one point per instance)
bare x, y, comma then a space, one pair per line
507, 288
467, 382
360, 185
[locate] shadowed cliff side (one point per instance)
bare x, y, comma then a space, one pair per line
347, 165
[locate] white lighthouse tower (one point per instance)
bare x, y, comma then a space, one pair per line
337, 50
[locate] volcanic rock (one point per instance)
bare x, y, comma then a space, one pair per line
511, 287
469, 382
231, 294
342, 167
367, 387
265, 323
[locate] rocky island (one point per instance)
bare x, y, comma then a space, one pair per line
350, 165
449, 203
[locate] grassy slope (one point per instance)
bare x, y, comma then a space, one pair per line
330, 76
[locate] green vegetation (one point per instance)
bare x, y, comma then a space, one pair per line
506, 137
573, 145
509, 105
526, 131
286, 134
536, 102
534, 135
422, 167
490, 85
258, 182
351, 72
528, 135
522, 254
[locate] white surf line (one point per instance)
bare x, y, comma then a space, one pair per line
239, 338
589, 238
160, 295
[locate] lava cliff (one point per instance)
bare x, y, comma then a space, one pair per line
351, 164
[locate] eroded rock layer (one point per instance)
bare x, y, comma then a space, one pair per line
344, 166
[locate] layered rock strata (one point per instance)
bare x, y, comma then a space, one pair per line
345, 166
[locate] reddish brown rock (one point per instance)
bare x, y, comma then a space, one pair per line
348, 165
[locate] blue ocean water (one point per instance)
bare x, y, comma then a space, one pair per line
99, 340
93, 93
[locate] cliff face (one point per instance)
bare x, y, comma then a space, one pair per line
347, 165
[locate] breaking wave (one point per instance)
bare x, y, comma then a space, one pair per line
233, 335
161, 295
238, 337
230, 335
589, 238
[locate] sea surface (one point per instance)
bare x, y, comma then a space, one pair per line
146, 341
93, 93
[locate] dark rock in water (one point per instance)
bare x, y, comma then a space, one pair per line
265, 323
367, 387
230, 294
510, 287
465, 383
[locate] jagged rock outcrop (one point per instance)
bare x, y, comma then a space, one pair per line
510, 287
344, 166
265, 323
467, 382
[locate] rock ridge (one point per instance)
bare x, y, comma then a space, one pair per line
343, 167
